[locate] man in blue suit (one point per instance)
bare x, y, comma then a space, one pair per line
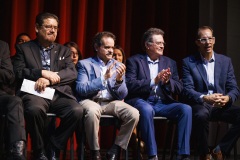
151, 80
101, 88
210, 88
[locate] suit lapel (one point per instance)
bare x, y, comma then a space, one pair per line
145, 66
36, 54
217, 69
96, 67
161, 64
201, 69
54, 57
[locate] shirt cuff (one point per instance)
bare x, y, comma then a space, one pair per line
202, 96
152, 83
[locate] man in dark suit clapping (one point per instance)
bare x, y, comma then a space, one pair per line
151, 80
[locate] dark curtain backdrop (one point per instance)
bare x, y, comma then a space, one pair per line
80, 20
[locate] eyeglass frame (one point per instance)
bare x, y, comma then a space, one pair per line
50, 27
158, 43
204, 40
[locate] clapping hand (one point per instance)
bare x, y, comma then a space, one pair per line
120, 68
163, 76
109, 71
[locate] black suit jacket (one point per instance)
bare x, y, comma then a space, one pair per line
28, 65
138, 78
6, 70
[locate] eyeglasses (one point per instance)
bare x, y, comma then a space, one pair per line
50, 27
158, 43
205, 40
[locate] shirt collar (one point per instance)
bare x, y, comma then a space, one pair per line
102, 63
46, 49
208, 61
151, 61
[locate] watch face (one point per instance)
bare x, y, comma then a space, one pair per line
119, 81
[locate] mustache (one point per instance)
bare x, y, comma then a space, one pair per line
109, 53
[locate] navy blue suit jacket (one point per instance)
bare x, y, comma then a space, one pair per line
138, 78
195, 78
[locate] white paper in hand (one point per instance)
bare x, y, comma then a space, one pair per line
28, 86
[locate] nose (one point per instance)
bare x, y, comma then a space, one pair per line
53, 29
207, 40
74, 55
110, 50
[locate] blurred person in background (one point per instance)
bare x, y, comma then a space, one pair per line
76, 54
119, 54
22, 38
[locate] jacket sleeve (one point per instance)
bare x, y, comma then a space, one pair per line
21, 70
136, 85
189, 91
175, 85
67, 72
231, 85
6, 68
87, 84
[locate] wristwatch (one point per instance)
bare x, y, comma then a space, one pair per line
119, 82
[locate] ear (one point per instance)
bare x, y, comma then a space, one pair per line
197, 42
96, 47
146, 45
36, 28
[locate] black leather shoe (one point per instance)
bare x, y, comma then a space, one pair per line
16, 151
153, 158
182, 157
110, 156
39, 156
95, 157
52, 152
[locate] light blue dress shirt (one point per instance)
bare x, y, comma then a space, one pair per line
104, 94
209, 67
